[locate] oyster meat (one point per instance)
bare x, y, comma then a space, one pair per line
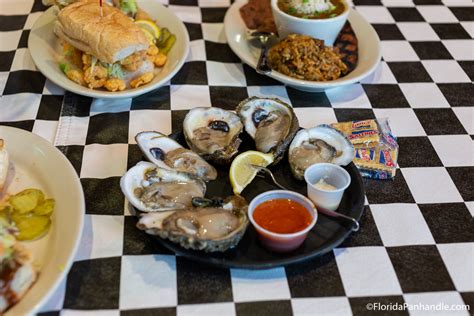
165, 152
209, 228
213, 133
151, 188
322, 143
270, 122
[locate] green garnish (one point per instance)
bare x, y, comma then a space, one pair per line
115, 71
64, 67
128, 6
292, 10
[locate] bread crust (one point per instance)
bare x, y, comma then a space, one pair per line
110, 38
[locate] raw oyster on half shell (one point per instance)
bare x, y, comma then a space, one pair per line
210, 228
166, 152
150, 188
270, 122
213, 133
322, 143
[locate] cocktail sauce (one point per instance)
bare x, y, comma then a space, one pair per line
282, 216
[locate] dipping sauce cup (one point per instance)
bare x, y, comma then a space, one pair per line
279, 242
333, 175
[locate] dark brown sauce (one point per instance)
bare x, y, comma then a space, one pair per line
286, 7
7, 275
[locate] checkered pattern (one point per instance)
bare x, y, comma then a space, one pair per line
416, 242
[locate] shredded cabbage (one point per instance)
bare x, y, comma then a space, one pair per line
93, 62
128, 6
115, 71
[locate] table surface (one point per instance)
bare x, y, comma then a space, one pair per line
416, 239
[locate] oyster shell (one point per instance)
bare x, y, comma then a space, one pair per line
213, 133
151, 188
165, 152
322, 143
209, 228
270, 122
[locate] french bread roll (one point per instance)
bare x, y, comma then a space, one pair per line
110, 38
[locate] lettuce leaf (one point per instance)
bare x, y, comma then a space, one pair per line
64, 67
115, 71
128, 6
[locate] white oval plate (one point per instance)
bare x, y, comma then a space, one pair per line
35, 163
368, 41
43, 46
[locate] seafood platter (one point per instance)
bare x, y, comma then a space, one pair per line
206, 191
311, 45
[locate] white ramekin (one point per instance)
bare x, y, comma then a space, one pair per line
332, 174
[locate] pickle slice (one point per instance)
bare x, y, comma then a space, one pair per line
31, 227
165, 33
168, 44
26, 200
5, 212
45, 208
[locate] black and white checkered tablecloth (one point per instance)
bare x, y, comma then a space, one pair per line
416, 243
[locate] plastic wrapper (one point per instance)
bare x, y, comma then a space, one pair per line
376, 148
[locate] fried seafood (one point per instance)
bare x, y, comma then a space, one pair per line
115, 84
95, 77
306, 58
152, 50
76, 75
133, 62
160, 60
141, 80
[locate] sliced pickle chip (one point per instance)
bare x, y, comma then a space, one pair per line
26, 200
5, 212
46, 208
31, 227
168, 44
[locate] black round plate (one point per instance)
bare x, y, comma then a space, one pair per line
327, 234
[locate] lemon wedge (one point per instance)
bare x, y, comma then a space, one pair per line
151, 30
241, 172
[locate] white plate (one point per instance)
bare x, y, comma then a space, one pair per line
36, 163
43, 44
368, 42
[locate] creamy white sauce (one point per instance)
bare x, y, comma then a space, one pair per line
323, 185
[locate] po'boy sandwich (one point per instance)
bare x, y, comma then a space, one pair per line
105, 48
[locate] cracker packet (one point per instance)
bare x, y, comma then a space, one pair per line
376, 148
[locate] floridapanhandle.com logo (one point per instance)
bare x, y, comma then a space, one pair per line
377, 306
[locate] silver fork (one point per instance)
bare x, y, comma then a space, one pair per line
355, 223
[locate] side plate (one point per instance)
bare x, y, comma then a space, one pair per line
369, 49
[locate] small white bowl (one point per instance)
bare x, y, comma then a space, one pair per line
282, 242
323, 29
333, 175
